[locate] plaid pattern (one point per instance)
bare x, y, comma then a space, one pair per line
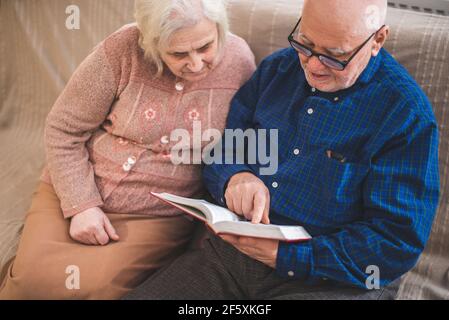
376, 208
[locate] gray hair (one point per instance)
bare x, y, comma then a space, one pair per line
157, 20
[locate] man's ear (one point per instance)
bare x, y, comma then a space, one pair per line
379, 40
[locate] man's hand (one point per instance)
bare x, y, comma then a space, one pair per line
247, 195
263, 250
93, 227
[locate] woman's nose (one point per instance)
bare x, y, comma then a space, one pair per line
196, 63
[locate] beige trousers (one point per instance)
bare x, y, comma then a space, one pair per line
50, 265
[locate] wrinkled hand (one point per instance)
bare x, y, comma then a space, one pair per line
247, 195
263, 250
92, 227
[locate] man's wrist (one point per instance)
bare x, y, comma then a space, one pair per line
294, 260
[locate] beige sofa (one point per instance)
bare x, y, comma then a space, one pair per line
38, 54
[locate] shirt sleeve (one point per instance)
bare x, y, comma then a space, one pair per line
400, 196
80, 109
243, 105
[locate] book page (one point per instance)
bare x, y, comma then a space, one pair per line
212, 212
194, 211
222, 214
222, 220
245, 228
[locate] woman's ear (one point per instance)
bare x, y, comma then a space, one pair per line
379, 40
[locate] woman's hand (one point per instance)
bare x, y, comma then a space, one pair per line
92, 227
247, 195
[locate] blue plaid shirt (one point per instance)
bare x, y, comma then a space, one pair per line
374, 209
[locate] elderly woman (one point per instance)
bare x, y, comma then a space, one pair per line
92, 230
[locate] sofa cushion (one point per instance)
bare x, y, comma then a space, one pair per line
41, 54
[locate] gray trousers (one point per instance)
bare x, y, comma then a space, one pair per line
218, 271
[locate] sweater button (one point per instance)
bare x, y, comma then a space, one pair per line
132, 160
127, 167
165, 140
179, 86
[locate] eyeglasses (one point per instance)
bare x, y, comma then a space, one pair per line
328, 61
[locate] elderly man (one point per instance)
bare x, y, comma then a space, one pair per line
358, 150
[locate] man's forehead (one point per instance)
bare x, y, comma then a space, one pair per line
333, 38
334, 50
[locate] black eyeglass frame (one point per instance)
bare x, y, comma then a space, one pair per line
343, 64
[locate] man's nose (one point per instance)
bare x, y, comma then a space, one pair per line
315, 64
196, 63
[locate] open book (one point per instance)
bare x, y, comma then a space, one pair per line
222, 220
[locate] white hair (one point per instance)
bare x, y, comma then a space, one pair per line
157, 20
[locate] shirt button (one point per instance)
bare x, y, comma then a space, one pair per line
291, 273
310, 111
336, 99
275, 185
165, 140
296, 152
179, 86
313, 89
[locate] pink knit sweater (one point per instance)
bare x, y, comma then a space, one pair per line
107, 135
